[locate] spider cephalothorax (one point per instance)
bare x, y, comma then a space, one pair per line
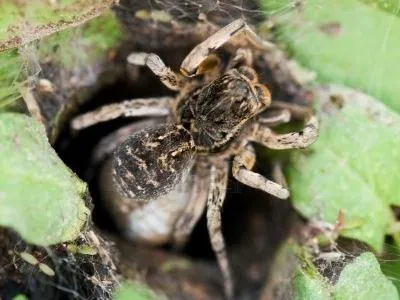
220, 109
211, 123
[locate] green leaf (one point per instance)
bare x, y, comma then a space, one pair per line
390, 264
351, 42
310, 288
134, 291
309, 284
22, 22
294, 276
20, 297
40, 197
352, 167
362, 279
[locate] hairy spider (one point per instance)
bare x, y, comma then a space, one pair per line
212, 122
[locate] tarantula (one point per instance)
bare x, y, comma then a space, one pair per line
215, 116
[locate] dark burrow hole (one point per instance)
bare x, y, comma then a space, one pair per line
254, 223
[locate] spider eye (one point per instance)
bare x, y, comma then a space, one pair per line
152, 162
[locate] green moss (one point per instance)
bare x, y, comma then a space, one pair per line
10, 71
30, 20
9, 15
42, 13
103, 32
71, 49
82, 46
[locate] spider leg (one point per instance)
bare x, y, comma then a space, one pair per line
294, 140
277, 174
297, 111
158, 107
225, 34
168, 77
216, 196
210, 67
193, 211
243, 163
283, 116
243, 56
110, 142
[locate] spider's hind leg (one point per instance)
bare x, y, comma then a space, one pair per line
216, 197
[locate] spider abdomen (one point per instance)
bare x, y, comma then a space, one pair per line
152, 162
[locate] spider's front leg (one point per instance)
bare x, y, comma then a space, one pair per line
235, 30
168, 77
293, 140
215, 200
143, 107
241, 170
